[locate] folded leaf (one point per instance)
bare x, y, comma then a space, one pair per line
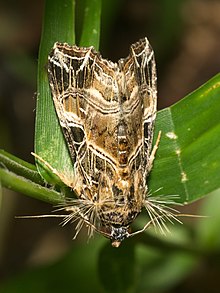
188, 158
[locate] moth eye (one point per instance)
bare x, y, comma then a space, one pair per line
78, 134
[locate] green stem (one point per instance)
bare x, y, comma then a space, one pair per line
17, 183
20, 167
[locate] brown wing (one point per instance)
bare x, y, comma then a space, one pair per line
85, 94
140, 97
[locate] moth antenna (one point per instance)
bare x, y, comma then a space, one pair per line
44, 162
192, 216
153, 152
40, 216
54, 171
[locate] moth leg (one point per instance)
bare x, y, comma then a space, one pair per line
53, 170
153, 152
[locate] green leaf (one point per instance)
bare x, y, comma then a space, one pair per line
49, 141
188, 159
91, 19
59, 23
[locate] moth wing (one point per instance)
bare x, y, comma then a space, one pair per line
141, 85
78, 78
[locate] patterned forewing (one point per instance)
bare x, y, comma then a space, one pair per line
85, 94
141, 92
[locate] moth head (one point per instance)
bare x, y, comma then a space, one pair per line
118, 234
115, 234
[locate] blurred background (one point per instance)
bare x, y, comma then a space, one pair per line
185, 38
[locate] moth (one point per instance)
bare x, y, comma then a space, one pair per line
107, 113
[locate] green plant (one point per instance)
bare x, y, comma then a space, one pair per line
187, 164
